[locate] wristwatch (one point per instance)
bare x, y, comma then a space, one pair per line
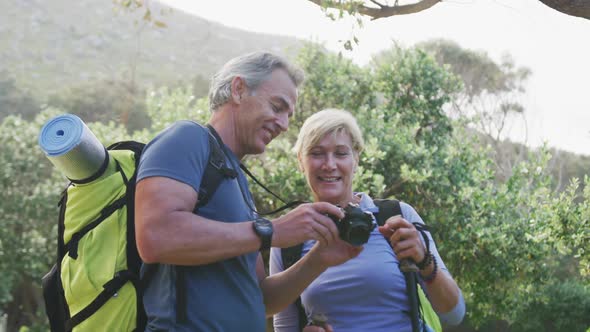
263, 228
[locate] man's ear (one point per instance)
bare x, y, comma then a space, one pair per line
238, 88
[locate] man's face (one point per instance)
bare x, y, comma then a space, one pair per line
265, 113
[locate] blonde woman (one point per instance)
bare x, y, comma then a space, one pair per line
366, 293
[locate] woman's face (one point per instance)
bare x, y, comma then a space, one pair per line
329, 168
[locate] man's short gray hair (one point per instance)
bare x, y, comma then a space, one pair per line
254, 68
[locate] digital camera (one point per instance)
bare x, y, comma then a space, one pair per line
356, 226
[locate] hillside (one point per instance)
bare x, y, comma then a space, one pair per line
46, 46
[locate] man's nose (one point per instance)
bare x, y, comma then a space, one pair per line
283, 122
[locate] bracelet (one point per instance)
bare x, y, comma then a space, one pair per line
430, 278
425, 261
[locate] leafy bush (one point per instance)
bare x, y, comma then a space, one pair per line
560, 306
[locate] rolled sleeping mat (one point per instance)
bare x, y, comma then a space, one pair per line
73, 149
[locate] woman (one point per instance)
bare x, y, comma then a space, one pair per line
366, 293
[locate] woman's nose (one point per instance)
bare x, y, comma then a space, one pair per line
329, 162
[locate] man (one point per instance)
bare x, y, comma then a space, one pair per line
251, 98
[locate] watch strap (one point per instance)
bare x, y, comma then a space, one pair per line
263, 228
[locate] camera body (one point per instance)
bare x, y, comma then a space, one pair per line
356, 226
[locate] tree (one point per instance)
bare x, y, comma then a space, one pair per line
380, 9
490, 98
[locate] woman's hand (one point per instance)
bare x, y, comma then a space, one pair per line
404, 239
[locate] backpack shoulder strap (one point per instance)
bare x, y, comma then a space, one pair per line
133, 260
215, 171
387, 208
136, 147
290, 256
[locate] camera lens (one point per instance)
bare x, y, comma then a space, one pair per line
358, 235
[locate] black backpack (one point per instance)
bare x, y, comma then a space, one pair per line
62, 316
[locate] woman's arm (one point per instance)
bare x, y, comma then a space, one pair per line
288, 319
283, 287
407, 242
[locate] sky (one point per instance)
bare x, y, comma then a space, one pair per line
555, 46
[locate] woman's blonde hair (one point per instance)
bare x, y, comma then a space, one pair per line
328, 121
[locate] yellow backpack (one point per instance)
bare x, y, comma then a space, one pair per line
94, 285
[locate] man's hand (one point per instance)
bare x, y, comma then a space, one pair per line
404, 238
307, 222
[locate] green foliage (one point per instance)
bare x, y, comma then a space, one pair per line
28, 199
570, 224
29, 193
331, 81
414, 86
509, 242
566, 166
562, 306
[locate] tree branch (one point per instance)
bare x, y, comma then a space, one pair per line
579, 8
385, 11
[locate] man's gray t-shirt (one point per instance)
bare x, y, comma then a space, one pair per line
221, 296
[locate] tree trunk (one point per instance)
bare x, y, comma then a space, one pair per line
26, 304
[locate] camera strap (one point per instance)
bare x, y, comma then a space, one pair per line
286, 206
247, 171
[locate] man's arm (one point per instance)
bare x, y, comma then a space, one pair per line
168, 231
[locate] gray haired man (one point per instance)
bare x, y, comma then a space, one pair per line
251, 99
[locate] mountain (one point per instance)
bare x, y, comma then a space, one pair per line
46, 46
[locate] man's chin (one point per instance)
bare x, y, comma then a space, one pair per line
260, 148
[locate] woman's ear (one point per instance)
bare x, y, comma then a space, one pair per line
356, 162
300, 163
